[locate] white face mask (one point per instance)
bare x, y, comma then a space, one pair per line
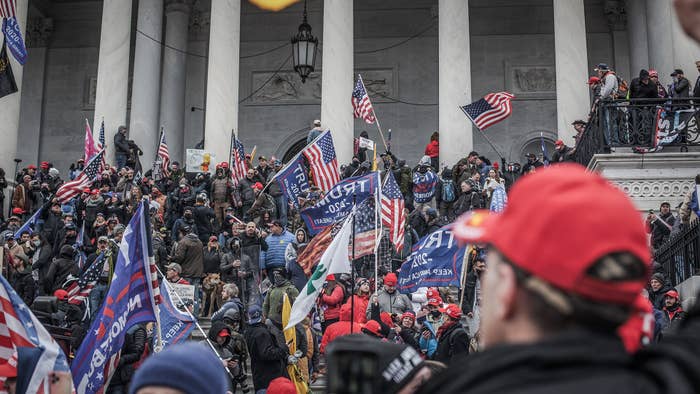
37, 243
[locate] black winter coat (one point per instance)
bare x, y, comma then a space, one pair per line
132, 351
267, 359
452, 343
23, 283
640, 90
578, 361
58, 273
203, 217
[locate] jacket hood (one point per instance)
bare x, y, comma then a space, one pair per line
216, 328
66, 252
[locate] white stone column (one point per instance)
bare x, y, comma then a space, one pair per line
145, 96
172, 94
637, 34
33, 81
221, 116
454, 79
685, 51
660, 38
571, 61
9, 111
113, 70
337, 75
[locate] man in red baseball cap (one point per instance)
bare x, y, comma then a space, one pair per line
672, 316
567, 259
453, 340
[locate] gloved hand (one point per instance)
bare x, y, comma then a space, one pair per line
292, 360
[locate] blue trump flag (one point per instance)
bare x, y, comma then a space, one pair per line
293, 180
13, 36
130, 300
337, 203
29, 225
436, 261
175, 325
424, 186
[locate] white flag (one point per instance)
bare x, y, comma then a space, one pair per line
366, 143
333, 261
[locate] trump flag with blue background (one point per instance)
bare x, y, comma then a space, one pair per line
175, 324
436, 261
130, 300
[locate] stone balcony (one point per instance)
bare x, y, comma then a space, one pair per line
652, 178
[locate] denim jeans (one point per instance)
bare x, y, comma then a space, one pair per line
281, 203
97, 295
121, 160
610, 126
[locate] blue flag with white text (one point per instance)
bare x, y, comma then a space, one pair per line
29, 225
293, 180
175, 325
337, 203
129, 301
436, 261
13, 37
424, 186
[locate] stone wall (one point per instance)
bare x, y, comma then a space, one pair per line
512, 46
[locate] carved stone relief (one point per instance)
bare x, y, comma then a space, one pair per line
666, 188
531, 81
286, 87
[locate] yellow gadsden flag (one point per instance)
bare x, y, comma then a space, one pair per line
273, 5
290, 337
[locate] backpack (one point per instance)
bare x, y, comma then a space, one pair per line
622, 88
448, 190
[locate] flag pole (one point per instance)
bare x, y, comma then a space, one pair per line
230, 149
194, 319
378, 234
352, 266
482, 134
376, 118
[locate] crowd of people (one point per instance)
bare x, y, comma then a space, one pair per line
237, 244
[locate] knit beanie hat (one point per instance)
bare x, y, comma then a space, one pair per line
190, 367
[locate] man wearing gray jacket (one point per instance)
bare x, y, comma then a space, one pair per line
389, 300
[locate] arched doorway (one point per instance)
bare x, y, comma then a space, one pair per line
293, 150
534, 145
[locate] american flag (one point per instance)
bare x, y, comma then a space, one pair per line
362, 107
7, 9
164, 155
71, 189
366, 228
311, 255
20, 328
322, 160
101, 143
491, 109
79, 290
238, 164
393, 215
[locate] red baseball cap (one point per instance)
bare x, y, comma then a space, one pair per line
17, 211
224, 333
330, 277
373, 327
31, 167
452, 311
672, 293
390, 279
557, 223
558, 142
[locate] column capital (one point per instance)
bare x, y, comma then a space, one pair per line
179, 6
39, 32
616, 14
199, 23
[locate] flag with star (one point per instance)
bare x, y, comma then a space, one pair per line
366, 228
323, 162
491, 109
89, 174
361, 105
19, 328
79, 290
130, 300
393, 215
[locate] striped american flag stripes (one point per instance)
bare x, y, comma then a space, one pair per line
19, 328
71, 189
491, 109
361, 105
393, 215
7, 8
238, 165
79, 290
163, 155
366, 229
323, 162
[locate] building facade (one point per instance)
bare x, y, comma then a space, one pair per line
202, 68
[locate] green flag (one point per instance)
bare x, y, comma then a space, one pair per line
7, 78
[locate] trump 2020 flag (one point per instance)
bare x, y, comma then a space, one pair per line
13, 34
129, 301
175, 325
435, 262
293, 181
334, 261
